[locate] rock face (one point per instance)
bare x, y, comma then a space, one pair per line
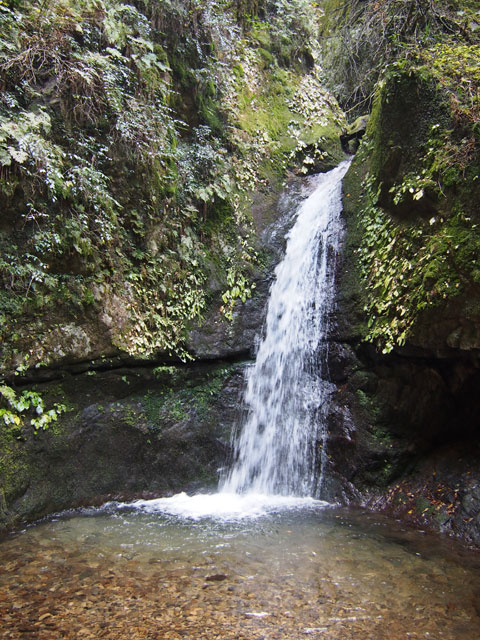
125, 433
134, 430
404, 424
148, 217
217, 337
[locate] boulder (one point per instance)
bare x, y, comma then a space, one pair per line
126, 433
352, 135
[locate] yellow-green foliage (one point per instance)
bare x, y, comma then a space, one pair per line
409, 267
14, 406
86, 96
20, 412
89, 150
457, 67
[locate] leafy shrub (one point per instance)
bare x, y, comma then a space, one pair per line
16, 405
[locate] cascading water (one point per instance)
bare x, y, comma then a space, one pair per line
277, 449
280, 452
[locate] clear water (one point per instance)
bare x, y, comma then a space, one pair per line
276, 449
132, 571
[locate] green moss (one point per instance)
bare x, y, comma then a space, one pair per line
369, 403
381, 475
400, 498
259, 33
267, 57
381, 435
386, 474
424, 507
14, 467
181, 398
427, 509
238, 71
220, 213
410, 268
208, 107
456, 66
299, 121
268, 110
407, 104
164, 408
205, 394
416, 236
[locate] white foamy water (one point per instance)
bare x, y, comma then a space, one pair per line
224, 506
282, 445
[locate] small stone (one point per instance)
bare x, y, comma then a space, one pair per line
216, 577
45, 615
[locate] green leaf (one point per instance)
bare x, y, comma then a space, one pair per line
18, 155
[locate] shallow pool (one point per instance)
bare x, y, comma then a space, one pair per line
286, 571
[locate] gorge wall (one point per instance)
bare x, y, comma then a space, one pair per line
141, 427
404, 423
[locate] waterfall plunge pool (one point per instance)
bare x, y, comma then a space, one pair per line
286, 569
249, 567
238, 565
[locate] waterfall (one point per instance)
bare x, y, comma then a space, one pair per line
281, 448
282, 444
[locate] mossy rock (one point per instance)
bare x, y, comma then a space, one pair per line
352, 135
259, 34
126, 432
408, 103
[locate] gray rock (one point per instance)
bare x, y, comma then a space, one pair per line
139, 436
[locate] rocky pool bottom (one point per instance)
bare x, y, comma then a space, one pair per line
166, 570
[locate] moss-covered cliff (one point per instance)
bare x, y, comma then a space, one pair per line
132, 137
403, 422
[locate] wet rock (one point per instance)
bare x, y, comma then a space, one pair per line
352, 135
399, 418
471, 501
139, 436
215, 337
